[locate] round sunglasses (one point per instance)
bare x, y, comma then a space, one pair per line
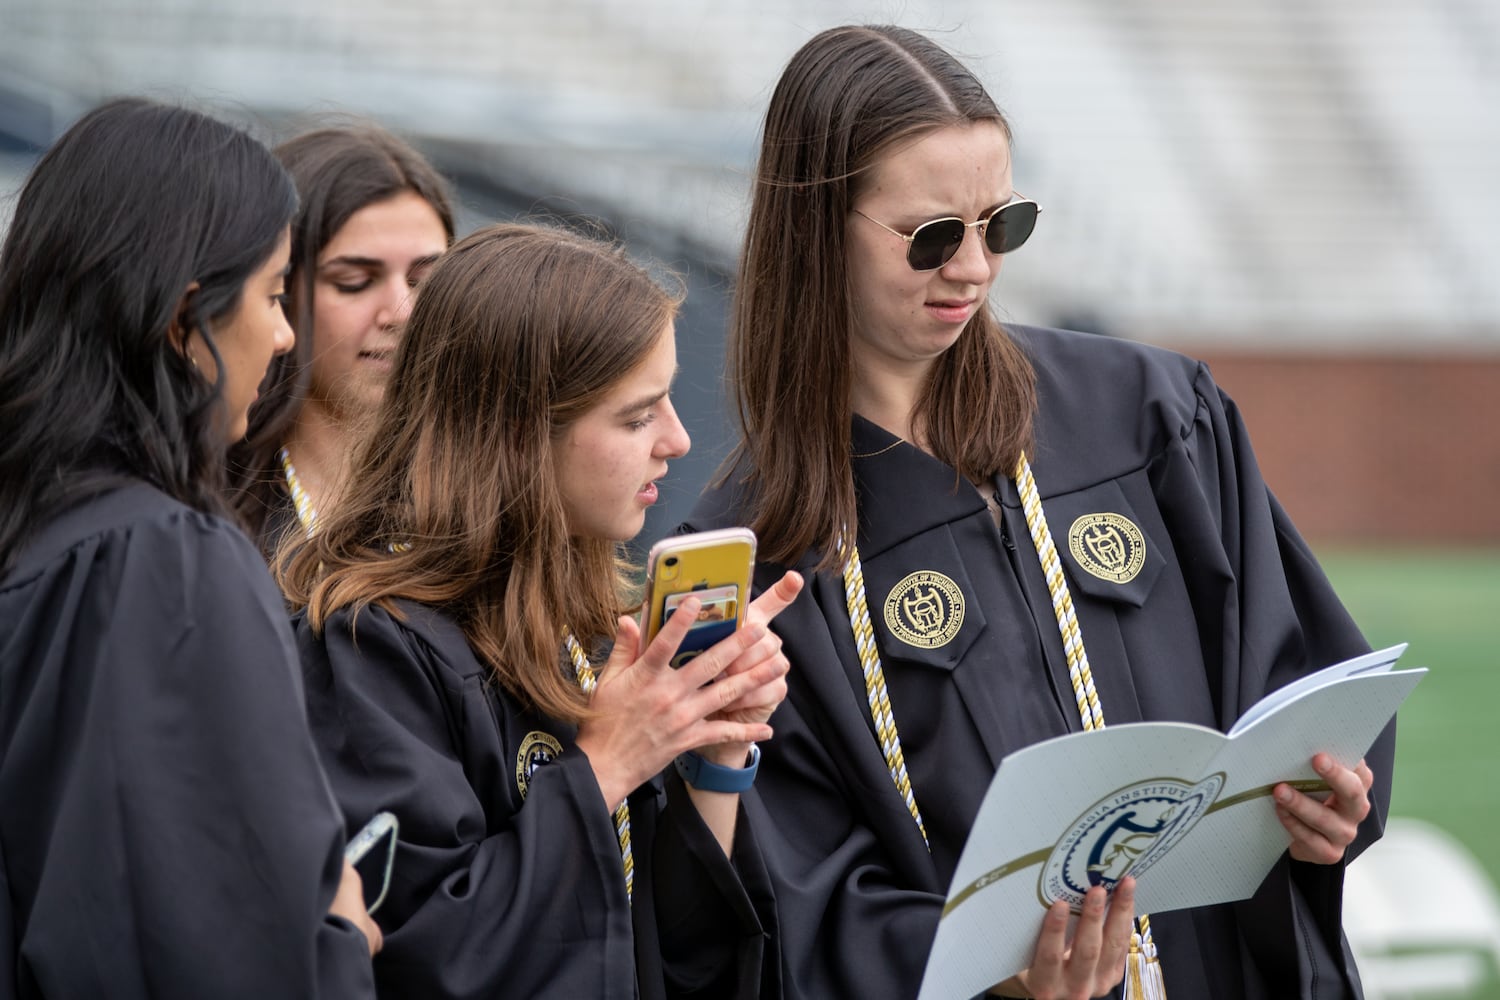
933, 244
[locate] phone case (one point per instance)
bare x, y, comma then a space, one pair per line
714, 566
380, 824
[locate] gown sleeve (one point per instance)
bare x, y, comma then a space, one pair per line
486, 899
194, 847
1268, 614
495, 894
715, 916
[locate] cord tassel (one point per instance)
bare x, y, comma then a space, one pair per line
1143, 979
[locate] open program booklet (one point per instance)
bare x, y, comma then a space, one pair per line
1184, 808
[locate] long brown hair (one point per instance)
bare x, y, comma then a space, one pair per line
338, 170
453, 499
847, 97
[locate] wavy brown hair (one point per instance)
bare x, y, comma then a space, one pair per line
848, 96
453, 499
338, 170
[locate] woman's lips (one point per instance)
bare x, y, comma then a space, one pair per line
952, 310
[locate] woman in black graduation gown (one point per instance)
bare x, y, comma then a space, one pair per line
373, 216
891, 425
457, 598
167, 831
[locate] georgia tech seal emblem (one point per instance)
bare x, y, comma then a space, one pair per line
537, 748
925, 610
1107, 546
1124, 833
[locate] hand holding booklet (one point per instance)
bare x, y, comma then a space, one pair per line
1183, 808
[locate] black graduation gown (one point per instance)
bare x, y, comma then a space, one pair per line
1227, 605
281, 518
166, 830
508, 880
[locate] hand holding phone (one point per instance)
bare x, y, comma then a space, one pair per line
381, 825
645, 713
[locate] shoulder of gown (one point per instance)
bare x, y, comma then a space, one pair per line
175, 754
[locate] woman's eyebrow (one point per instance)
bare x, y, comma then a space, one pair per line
355, 261
644, 402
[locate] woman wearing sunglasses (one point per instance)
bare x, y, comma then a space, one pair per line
950, 482
468, 669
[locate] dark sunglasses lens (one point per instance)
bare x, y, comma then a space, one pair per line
1011, 226
934, 244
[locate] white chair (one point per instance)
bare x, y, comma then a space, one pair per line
1422, 916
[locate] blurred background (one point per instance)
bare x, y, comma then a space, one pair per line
1307, 195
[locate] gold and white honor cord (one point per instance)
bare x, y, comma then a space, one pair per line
306, 513
1143, 978
878, 697
588, 680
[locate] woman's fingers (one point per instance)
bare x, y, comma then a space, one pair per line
626, 648
1088, 942
716, 660
1093, 962
1049, 963
1349, 788
776, 599
349, 903
1118, 928
1321, 830
659, 653
722, 696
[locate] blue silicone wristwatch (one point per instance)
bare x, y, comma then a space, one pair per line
707, 776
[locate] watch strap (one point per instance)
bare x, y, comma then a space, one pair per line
707, 776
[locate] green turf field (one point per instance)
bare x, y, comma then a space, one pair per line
1446, 604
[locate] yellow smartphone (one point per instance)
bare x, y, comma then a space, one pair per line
713, 566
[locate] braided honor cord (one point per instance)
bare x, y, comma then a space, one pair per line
587, 680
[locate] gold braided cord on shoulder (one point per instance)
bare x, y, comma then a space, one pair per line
588, 680
1143, 978
878, 698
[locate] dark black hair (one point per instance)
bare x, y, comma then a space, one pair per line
339, 170
134, 204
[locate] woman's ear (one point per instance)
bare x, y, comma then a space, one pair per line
180, 332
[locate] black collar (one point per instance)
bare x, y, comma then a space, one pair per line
903, 491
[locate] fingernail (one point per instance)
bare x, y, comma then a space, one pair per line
1283, 795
